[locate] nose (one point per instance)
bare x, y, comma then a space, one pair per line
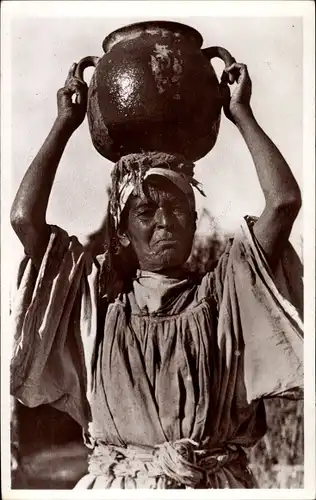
163, 218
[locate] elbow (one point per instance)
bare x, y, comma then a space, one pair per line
20, 221
287, 209
293, 202
289, 204
17, 218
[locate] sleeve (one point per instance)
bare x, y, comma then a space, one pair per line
51, 317
258, 323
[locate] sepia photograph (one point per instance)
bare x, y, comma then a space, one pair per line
158, 249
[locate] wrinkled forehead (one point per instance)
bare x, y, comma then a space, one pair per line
160, 188
158, 192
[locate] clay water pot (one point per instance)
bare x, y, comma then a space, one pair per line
154, 89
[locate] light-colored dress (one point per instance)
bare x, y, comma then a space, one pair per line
168, 385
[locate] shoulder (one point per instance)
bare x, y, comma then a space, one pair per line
65, 255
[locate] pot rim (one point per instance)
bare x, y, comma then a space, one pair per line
136, 29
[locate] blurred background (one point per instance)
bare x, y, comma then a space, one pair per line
47, 451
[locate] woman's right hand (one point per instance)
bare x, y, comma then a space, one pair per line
72, 101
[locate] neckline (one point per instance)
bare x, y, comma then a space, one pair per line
158, 277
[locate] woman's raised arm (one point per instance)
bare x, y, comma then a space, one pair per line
280, 189
28, 212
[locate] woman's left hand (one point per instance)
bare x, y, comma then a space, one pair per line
238, 103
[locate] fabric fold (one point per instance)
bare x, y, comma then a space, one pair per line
196, 365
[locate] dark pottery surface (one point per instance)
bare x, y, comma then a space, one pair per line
154, 89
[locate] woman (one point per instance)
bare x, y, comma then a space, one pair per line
166, 373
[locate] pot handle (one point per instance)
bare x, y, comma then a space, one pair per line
228, 59
84, 63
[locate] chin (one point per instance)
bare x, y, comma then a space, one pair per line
169, 259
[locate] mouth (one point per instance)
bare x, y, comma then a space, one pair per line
166, 242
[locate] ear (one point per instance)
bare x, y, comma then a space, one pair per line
123, 239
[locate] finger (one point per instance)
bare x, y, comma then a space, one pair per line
68, 95
237, 72
224, 78
64, 98
80, 95
230, 76
243, 74
64, 92
76, 82
232, 72
71, 72
76, 89
78, 98
235, 65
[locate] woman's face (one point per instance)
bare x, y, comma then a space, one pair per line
160, 226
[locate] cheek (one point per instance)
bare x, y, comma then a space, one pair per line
186, 222
140, 234
188, 228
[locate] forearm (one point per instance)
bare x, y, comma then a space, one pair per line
31, 200
28, 213
276, 179
280, 189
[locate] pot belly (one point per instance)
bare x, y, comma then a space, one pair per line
154, 99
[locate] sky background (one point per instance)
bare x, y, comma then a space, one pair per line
42, 50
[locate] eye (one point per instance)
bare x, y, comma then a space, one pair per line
145, 212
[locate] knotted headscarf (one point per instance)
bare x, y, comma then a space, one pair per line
132, 170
